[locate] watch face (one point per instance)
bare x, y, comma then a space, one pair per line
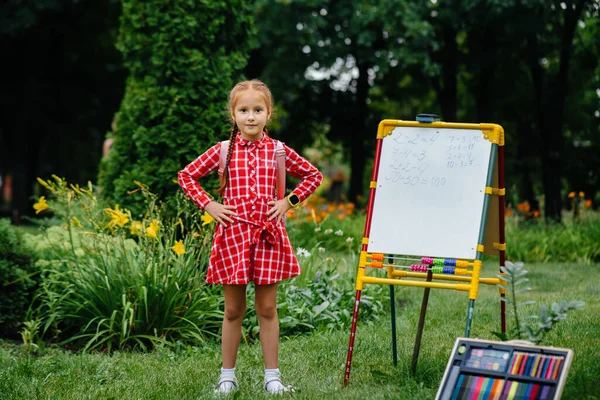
294, 200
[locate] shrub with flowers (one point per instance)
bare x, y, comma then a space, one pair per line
331, 227
578, 203
111, 281
524, 211
326, 239
574, 240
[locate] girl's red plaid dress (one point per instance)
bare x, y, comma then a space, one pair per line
252, 248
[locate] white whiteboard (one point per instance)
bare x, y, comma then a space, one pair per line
430, 192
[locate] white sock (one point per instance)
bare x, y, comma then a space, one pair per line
227, 373
273, 386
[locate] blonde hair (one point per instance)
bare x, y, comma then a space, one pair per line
253, 84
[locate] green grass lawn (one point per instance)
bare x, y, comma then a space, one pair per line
315, 364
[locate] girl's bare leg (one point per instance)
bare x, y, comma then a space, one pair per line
235, 307
265, 302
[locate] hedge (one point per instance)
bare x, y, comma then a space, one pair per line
183, 58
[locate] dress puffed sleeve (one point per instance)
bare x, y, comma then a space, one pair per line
199, 168
309, 175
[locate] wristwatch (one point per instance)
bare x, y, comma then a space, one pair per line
293, 200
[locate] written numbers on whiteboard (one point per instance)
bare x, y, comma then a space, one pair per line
430, 192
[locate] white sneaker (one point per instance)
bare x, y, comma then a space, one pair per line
226, 385
274, 385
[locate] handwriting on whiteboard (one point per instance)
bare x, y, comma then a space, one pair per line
411, 163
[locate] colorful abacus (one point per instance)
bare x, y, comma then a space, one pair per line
438, 269
449, 262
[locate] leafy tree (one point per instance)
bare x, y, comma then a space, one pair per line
61, 85
582, 109
183, 58
344, 64
323, 56
510, 62
549, 63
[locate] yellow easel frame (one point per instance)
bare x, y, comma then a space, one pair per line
494, 188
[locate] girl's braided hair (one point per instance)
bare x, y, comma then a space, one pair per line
253, 84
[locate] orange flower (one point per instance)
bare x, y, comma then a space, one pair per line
588, 203
536, 214
508, 212
571, 195
581, 194
523, 207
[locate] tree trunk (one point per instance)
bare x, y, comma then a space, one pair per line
25, 143
487, 55
357, 141
446, 86
526, 155
551, 118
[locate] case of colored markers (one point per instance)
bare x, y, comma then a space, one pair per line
489, 370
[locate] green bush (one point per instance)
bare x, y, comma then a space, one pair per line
18, 279
575, 240
327, 228
533, 328
113, 282
183, 58
324, 303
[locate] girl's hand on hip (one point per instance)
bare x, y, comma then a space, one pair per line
221, 213
278, 209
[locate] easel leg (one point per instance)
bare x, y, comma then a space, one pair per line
502, 232
502, 315
469, 317
352, 335
393, 315
413, 366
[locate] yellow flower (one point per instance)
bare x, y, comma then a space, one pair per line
76, 188
75, 222
41, 205
136, 227
152, 229
179, 248
207, 219
117, 217
581, 194
45, 184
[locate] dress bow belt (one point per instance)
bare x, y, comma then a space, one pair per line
267, 230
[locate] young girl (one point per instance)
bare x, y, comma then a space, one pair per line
250, 243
